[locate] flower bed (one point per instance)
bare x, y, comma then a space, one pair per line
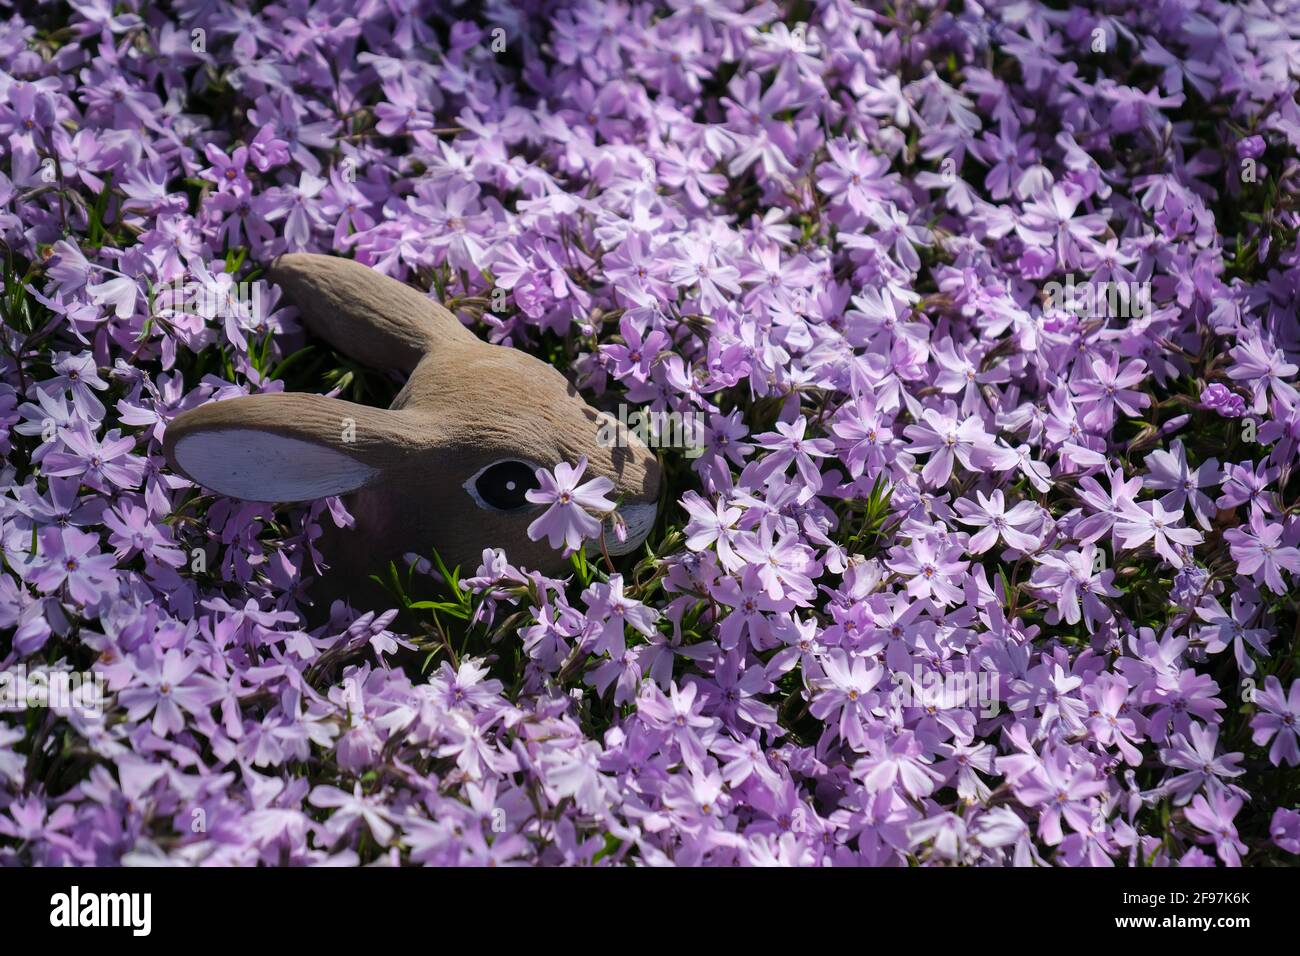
976, 326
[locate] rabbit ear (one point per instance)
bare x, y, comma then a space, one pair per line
375, 319
290, 447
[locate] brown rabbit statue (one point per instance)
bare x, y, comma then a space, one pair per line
447, 466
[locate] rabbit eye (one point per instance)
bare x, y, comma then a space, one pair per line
503, 485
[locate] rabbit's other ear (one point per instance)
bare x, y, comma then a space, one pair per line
372, 317
290, 447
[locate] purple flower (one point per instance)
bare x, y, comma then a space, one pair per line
638, 353
1265, 370
1062, 792
948, 440
351, 809
1251, 147
1149, 521
1075, 578
1278, 720
1197, 755
100, 465
845, 696
899, 762
751, 604
78, 375
713, 525
1243, 484
1110, 390
932, 567
1113, 726
788, 444
167, 686
133, 531
1285, 829
567, 521
612, 612
916, 461
69, 558
1217, 397
1261, 554
1223, 629
996, 522
1169, 470
1213, 812
783, 564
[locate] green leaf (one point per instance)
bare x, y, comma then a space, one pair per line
579, 561
1006, 584
612, 843
455, 610
278, 371
95, 236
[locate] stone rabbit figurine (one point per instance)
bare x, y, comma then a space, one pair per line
446, 467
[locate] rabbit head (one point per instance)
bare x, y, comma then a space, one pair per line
447, 466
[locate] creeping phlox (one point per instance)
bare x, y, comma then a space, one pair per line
966, 336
